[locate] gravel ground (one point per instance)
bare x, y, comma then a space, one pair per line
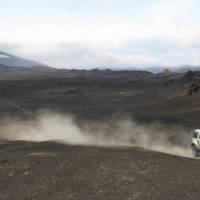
52, 171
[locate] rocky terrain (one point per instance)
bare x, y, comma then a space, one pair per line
99, 94
54, 171
50, 170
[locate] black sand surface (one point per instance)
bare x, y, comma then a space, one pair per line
49, 170
54, 171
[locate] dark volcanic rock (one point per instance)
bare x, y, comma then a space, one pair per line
192, 76
50, 171
193, 79
194, 88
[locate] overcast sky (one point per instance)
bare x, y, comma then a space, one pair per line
102, 33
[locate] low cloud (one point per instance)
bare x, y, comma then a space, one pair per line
141, 54
125, 35
78, 55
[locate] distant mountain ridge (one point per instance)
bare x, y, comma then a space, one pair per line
9, 60
12, 61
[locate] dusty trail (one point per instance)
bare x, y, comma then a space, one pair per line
20, 108
64, 129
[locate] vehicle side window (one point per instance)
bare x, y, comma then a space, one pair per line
195, 135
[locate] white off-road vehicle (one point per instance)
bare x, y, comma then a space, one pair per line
196, 143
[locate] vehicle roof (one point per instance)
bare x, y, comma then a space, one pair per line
197, 130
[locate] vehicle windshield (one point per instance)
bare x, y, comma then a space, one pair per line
195, 135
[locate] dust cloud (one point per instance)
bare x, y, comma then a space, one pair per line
115, 132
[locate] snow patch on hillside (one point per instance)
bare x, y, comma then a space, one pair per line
4, 56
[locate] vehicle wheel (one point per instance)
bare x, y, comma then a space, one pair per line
195, 151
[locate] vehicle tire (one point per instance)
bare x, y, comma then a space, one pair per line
195, 151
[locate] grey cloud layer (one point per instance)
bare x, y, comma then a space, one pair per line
135, 53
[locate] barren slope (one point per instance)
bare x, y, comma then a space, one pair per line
53, 171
